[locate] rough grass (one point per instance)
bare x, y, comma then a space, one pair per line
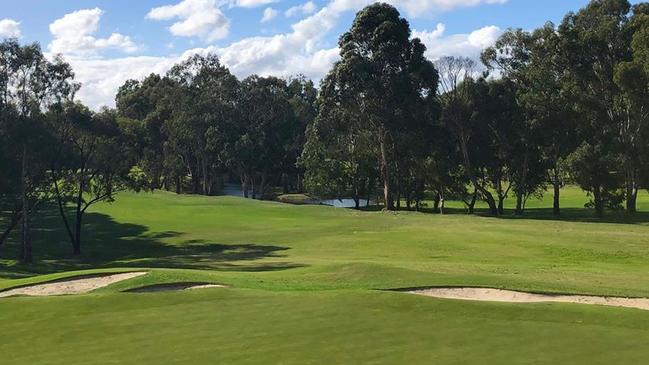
303, 285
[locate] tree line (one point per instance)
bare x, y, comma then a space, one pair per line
558, 104
187, 131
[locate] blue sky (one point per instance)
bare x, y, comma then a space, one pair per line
109, 41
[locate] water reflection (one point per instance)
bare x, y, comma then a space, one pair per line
344, 203
235, 190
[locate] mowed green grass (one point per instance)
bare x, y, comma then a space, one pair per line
304, 286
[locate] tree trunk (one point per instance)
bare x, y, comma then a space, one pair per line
262, 185
522, 184
299, 184
441, 204
178, 183
244, 185
385, 172
76, 241
76, 245
631, 191
501, 205
165, 184
285, 183
599, 204
436, 203
519, 203
15, 218
398, 199
205, 180
471, 205
26, 249
556, 184
489, 198
59, 200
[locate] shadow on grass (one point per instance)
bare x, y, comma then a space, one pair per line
107, 243
583, 215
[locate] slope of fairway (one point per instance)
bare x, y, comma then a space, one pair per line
302, 285
277, 246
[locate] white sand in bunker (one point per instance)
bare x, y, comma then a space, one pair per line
509, 296
78, 285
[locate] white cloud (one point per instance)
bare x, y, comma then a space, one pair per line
269, 14
252, 3
467, 45
414, 8
304, 9
9, 28
73, 34
197, 18
101, 78
418, 7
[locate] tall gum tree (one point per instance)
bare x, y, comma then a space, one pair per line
595, 40
458, 95
384, 76
533, 62
632, 78
29, 85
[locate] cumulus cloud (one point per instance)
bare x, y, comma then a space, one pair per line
9, 28
304, 9
414, 8
269, 14
418, 7
467, 45
73, 34
252, 3
196, 18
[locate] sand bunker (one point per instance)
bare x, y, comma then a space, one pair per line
498, 295
78, 285
173, 287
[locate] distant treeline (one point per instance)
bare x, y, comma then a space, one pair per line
560, 103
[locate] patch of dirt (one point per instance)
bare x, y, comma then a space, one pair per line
173, 287
510, 296
76, 285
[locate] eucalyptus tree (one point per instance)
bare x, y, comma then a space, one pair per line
264, 132
143, 107
203, 109
640, 47
460, 98
632, 78
384, 77
302, 95
595, 40
92, 163
29, 83
543, 132
338, 158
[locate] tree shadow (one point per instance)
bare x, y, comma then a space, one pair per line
571, 214
582, 215
107, 243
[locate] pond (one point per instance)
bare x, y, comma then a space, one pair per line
235, 190
344, 203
